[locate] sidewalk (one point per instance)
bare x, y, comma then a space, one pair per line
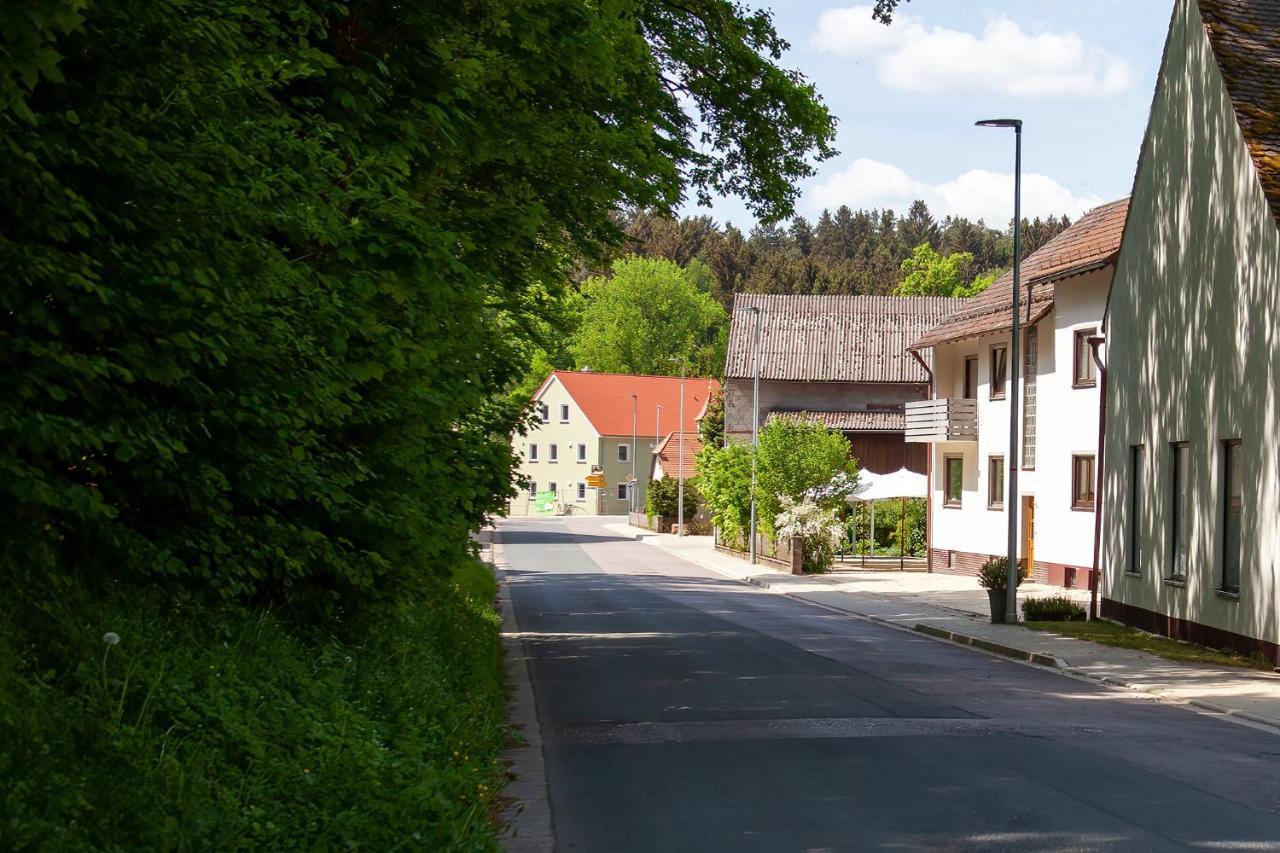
955, 608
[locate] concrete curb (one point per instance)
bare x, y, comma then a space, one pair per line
526, 820
992, 646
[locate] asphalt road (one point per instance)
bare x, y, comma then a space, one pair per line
681, 711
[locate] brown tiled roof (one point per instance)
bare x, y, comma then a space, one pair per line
848, 421
1245, 35
1092, 242
668, 453
833, 338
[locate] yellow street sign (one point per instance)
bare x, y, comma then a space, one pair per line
596, 481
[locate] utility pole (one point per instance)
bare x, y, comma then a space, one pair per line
755, 421
1015, 356
631, 490
680, 432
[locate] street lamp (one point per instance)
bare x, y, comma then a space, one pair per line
1011, 600
631, 490
680, 464
755, 421
657, 424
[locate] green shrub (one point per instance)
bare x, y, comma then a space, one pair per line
663, 495
994, 573
794, 456
724, 481
1051, 608
220, 727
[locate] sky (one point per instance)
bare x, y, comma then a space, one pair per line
1079, 74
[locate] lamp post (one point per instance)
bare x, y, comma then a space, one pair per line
1015, 353
631, 490
680, 464
755, 421
679, 431
657, 424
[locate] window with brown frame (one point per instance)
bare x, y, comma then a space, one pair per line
971, 377
999, 370
955, 480
1082, 482
1086, 372
1180, 513
995, 482
1232, 501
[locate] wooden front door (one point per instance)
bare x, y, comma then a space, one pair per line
1029, 533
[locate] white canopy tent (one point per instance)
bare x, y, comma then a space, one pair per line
901, 484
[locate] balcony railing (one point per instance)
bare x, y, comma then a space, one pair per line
943, 419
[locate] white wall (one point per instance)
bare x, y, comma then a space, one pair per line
1195, 353
1067, 423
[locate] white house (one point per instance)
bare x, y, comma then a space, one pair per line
1192, 450
586, 428
966, 424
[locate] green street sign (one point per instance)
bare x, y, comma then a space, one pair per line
544, 502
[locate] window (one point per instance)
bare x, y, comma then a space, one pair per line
1135, 509
533, 453
1082, 482
622, 491
995, 482
551, 487
1029, 401
624, 453
1232, 499
954, 466
533, 489
582, 491
1086, 372
971, 377
1180, 512
564, 413
544, 414
553, 453
999, 370
582, 453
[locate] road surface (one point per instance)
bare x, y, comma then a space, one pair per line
682, 711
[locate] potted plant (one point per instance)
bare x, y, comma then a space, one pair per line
994, 578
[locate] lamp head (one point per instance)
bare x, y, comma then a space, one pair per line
1015, 123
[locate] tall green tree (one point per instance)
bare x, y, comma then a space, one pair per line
795, 455
928, 273
270, 270
647, 314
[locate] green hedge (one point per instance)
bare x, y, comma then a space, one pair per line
220, 727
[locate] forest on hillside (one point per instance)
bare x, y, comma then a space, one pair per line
845, 252
665, 302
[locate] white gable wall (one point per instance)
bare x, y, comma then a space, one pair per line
1195, 351
1067, 423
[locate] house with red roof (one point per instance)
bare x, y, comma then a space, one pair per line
965, 424
607, 425
1191, 528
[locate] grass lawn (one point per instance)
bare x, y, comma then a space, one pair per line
1131, 638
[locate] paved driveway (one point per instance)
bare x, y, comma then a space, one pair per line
682, 711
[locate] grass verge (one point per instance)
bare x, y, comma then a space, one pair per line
214, 726
1109, 634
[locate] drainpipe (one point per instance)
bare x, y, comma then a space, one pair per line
1095, 342
928, 473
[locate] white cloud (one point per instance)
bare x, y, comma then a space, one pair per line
1002, 59
975, 194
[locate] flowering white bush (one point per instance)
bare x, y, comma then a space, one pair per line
841, 486
818, 529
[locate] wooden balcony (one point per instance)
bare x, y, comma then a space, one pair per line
943, 419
